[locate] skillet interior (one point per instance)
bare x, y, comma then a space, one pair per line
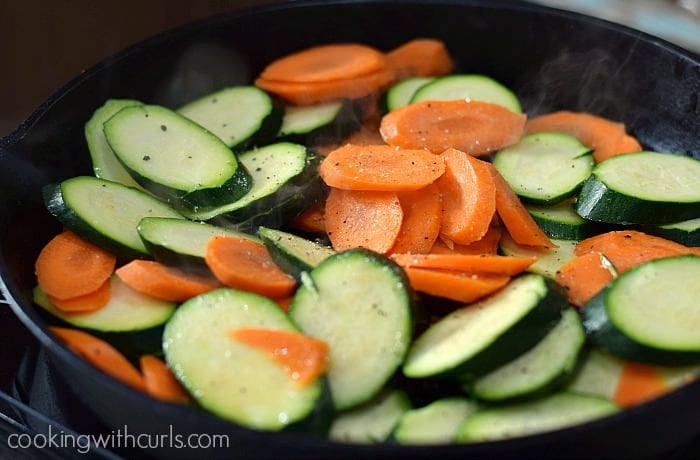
552, 59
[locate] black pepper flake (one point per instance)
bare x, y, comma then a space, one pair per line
163, 128
146, 157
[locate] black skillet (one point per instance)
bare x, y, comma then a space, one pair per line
552, 59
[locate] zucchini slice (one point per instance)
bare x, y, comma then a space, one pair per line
182, 243
477, 338
360, 304
320, 124
545, 366
104, 163
104, 212
232, 380
549, 413
561, 221
545, 168
292, 253
400, 93
175, 158
468, 86
549, 260
435, 423
241, 116
642, 188
686, 232
650, 313
373, 421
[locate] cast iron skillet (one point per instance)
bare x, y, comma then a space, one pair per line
552, 59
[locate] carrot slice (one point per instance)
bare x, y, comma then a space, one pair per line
363, 219
478, 264
615, 239
304, 358
160, 382
454, 285
606, 137
69, 266
307, 93
159, 280
638, 383
91, 301
488, 244
420, 57
515, 217
421, 220
311, 220
100, 354
326, 63
583, 277
474, 127
624, 258
380, 167
468, 197
245, 264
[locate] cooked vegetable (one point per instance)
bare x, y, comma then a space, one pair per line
561, 221
455, 285
470, 87
90, 302
475, 127
422, 216
420, 57
434, 423
483, 263
549, 260
638, 383
292, 253
584, 276
160, 382
401, 92
686, 232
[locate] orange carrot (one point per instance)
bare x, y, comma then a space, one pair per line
160, 382
474, 127
326, 63
638, 383
100, 354
91, 301
606, 137
421, 220
488, 244
284, 302
159, 280
515, 217
624, 258
454, 285
380, 167
367, 219
244, 264
311, 220
69, 266
304, 358
583, 277
307, 93
470, 263
628, 238
420, 57
468, 197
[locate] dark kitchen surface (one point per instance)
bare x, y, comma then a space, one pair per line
46, 43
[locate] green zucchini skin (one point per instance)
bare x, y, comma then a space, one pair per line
105, 213
614, 192
175, 158
400, 93
292, 253
435, 423
321, 124
603, 331
537, 313
561, 221
468, 86
686, 232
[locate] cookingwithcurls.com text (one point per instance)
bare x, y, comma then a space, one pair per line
58, 439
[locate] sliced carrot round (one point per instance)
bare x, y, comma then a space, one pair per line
421, 220
244, 264
420, 57
69, 266
160, 382
494, 264
380, 167
454, 285
474, 127
91, 301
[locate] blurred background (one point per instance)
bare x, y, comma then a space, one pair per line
45, 43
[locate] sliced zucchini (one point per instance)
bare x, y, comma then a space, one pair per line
241, 116
371, 422
229, 378
273, 169
545, 168
104, 163
561, 221
598, 375
175, 158
549, 260
182, 243
292, 253
468, 86
320, 124
360, 304
650, 313
477, 338
435, 423
104, 212
549, 413
401, 92
545, 366
686, 232
642, 188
